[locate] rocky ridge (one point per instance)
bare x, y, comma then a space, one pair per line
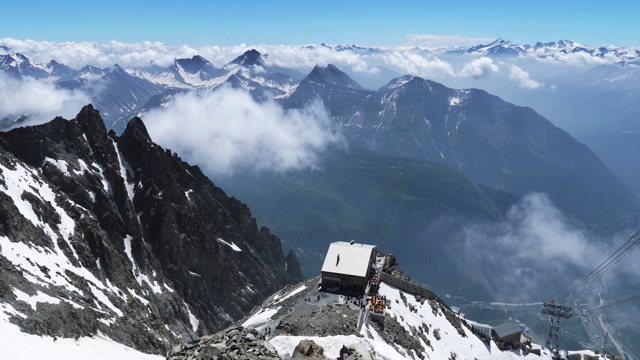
302, 322
232, 343
118, 236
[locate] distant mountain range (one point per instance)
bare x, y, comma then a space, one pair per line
495, 143
121, 93
550, 50
555, 50
246, 70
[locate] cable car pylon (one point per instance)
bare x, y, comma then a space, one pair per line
556, 312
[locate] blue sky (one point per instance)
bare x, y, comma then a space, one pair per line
381, 23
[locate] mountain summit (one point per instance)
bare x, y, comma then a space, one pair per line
332, 75
118, 236
249, 58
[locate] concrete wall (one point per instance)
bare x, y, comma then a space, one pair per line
409, 287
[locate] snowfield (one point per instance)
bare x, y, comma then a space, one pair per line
18, 345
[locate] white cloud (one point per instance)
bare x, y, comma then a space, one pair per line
435, 41
41, 101
529, 250
416, 64
523, 79
479, 68
573, 58
226, 131
307, 58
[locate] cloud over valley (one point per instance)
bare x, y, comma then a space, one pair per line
537, 251
227, 131
39, 101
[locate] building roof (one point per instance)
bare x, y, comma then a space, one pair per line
348, 258
507, 329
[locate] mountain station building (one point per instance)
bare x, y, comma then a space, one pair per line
347, 267
507, 335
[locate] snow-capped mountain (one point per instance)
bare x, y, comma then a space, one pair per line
561, 50
184, 73
363, 50
146, 257
498, 47
122, 93
247, 72
156, 85
565, 50
250, 72
19, 66
118, 94
89, 72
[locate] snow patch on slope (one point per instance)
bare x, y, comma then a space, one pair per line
192, 319
137, 272
125, 172
260, 319
40, 297
231, 245
294, 292
47, 265
60, 164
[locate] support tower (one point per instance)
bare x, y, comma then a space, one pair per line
556, 312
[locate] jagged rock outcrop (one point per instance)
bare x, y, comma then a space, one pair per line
200, 230
308, 349
232, 343
117, 235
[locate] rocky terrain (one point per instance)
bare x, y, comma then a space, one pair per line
302, 322
232, 343
114, 235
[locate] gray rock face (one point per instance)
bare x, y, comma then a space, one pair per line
232, 343
149, 257
308, 349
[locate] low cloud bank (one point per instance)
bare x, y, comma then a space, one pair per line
533, 254
227, 131
39, 101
